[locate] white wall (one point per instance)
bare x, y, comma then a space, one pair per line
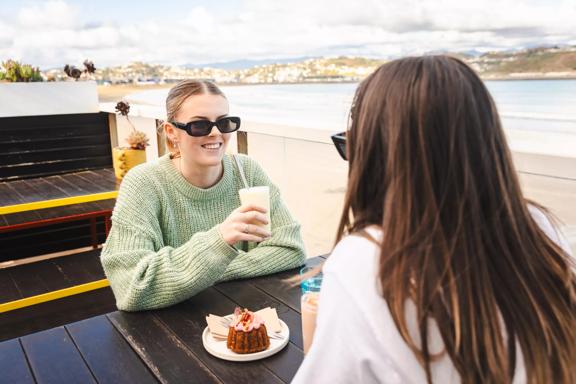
48, 98
312, 179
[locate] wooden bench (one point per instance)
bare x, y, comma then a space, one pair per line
57, 186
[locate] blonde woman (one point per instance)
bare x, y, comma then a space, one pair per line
178, 225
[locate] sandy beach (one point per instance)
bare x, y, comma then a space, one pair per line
112, 93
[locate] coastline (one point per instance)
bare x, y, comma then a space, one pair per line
109, 93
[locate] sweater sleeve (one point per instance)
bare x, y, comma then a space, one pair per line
283, 250
145, 274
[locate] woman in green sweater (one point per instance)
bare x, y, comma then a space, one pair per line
178, 226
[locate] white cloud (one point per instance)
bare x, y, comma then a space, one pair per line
200, 20
50, 34
52, 14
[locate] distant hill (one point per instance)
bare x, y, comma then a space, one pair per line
538, 60
542, 62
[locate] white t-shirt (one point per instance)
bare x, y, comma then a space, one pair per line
356, 340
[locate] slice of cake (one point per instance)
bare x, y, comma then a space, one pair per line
247, 332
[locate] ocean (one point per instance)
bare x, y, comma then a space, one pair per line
528, 108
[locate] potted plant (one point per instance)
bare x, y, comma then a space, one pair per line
125, 158
13, 71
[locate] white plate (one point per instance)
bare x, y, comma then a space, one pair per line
218, 348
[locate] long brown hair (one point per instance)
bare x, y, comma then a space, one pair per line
429, 164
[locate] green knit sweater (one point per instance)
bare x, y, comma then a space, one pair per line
164, 245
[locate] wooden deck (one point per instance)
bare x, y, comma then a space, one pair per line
57, 186
46, 276
72, 224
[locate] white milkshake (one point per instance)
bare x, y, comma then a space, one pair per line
259, 196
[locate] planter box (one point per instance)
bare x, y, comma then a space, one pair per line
125, 159
48, 98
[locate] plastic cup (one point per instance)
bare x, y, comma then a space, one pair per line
309, 305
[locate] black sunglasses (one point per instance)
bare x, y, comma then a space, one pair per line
339, 140
198, 128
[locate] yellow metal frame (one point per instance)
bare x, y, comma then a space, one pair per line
54, 295
57, 202
66, 292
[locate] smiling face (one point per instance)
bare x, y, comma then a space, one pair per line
204, 151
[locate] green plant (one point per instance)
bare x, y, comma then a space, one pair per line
14, 71
136, 139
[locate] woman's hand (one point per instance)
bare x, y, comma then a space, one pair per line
243, 225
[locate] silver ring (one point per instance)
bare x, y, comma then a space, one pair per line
246, 228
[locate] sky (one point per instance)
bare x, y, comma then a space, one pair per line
52, 33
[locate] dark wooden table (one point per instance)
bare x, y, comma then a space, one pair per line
158, 346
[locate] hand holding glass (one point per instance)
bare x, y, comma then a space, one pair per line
245, 223
258, 196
